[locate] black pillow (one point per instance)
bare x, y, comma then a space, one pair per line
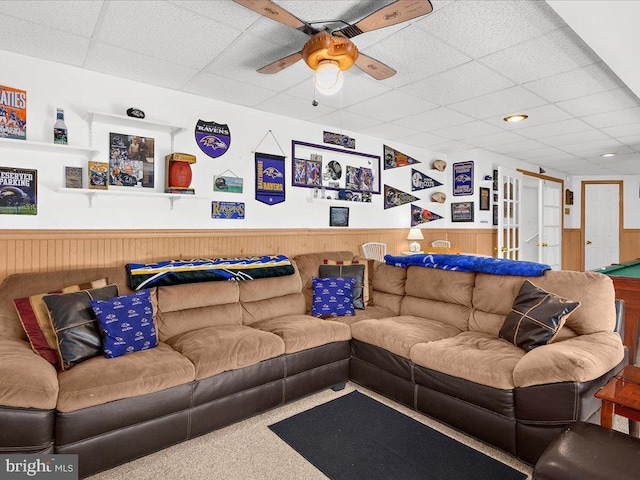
348, 271
76, 327
536, 317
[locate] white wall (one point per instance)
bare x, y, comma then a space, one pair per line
50, 85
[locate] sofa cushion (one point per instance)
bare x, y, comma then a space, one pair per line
182, 308
34, 317
75, 325
333, 297
445, 294
357, 272
474, 356
399, 334
301, 332
100, 380
126, 323
578, 359
28, 380
217, 349
536, 317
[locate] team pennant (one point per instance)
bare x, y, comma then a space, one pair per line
394, 197
420, 181
394, 158
421, 215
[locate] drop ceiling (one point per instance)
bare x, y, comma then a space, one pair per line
461, 69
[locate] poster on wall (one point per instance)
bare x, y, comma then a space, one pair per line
269, 178
463, 178
214, 139
394, 197
227, 210
339, 139
462, 212
394, 159
18, 191
131, 160
485, 198
420, 181
13, 113
421, 215
227, 184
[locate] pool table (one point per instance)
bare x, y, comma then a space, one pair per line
626, 280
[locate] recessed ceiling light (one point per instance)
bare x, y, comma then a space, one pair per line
608, 155
516, 118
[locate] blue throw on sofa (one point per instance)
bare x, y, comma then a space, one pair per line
470, 263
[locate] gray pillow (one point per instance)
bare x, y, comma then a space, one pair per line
348, 271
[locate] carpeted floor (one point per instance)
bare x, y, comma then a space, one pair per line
249, 450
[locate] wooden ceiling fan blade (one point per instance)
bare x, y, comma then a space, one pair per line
373, 67
396, 12
277, 13
281, 64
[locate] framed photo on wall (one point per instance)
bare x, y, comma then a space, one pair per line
338, 216
462, 212
485, 198
495, 215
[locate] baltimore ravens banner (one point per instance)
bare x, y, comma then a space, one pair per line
394, 197
422, 215
269, 178
420, 181
394, 159
213, 138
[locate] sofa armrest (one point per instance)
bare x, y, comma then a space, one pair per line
578, 359
26, 379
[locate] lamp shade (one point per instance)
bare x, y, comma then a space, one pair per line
415, 234
328, 77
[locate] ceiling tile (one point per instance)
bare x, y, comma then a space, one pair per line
460, 83
524, 146
593, 148
480, 28
556, 52
358, 86
166, 31
391, 106
504, 102
547, 152
450, 147
602, 102
623, 130
428, 55
135, 66
347, 120
42, 42
495, 139
576, 83
293, 107
76, 17
537, 116
433, 119
388, 131
317, 10
613, 119
585, 136
229, 13
275, 32
213, 86
467, 130
425, 140
631, 140
563, 127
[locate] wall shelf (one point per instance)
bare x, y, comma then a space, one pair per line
124, 121
47, 147
91, 194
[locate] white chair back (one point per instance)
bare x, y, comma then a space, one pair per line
441, 244
374, 250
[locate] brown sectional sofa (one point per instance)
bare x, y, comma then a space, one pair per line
427, 338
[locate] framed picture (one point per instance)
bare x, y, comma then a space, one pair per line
495, 180
338, 216
462, 212
131, 160
485, 198
495, 215
462, 179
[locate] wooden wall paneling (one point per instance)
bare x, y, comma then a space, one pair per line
629, 244
572, 249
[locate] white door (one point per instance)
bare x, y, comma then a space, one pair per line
550, 223
601, 224
530, 219
509, 213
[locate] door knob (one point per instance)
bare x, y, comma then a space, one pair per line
504, 249
537, 244
545, 244
589, 242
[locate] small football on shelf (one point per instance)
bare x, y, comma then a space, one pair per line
178, 173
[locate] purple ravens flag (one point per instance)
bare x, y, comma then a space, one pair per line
213, 138
269, 178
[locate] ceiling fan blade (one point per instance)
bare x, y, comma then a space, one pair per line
281, 64
277, 13
396, 12
373, 67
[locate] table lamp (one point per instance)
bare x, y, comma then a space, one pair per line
415, 234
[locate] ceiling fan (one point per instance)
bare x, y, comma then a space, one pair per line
330, 52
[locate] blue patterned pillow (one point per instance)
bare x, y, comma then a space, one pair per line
332, 296
126, 323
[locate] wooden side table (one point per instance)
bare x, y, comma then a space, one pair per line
622, 396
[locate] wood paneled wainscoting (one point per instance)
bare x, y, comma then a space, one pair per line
573, 251
51, 250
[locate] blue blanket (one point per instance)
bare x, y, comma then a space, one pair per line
470, 263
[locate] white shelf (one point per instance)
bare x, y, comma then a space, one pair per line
336, 202
135, 192
125, 121
47, 147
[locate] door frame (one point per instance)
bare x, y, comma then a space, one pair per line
583, 184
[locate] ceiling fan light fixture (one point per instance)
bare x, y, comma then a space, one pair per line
328, 77
516, 118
